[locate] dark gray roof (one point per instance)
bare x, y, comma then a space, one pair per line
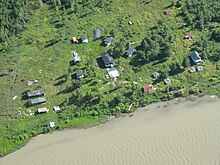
84, 37
96, 33
79, 72
107, 59
195, 57
131, 51
108, 40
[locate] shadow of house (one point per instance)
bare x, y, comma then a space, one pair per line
100, 63
72, 63
58, 25
59, 83
68, 90
3, 74
51, 43
159, 61
137, 61
24, 96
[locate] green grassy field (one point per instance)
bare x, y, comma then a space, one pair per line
45, 45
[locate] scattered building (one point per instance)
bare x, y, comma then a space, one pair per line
130, 52
192, 70
74, 40
43, 110
168, 12
56, 108
36, 93
15, 97
96, 34
108, 41
84, 38
79, 73
189, 36
199, 68
38, 101
130, 23
167, 81
147, 88
30, 82
195, 57
155, 75
76, 57
52, 124
107, 59
113, 72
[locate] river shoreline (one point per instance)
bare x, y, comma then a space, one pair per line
152, 107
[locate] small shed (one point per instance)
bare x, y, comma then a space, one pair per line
168, 12
167, 81
195, 57
36, 93
189, 36
96, 34
146, 88
75, 56
79, 73
192, 70
130, 52
107, 59
84, 38
155, 75
108, 41
52, 124
43, 110
56, 108
30, 82
74, 40
130, 23
113, 72
38, 101
199, 68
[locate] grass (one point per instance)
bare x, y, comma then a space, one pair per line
45, 45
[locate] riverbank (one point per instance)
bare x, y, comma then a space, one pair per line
161, 133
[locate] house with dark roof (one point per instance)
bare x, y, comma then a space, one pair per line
84, 38
195, 57
168, 12
108, 41
130, 52
79, 73
189, 36
36, 93
107, 59
96, 34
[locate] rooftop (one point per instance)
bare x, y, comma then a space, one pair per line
39, 92
113, 72
38, 100
43, 110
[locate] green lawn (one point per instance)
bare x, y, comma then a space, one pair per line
45, 45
